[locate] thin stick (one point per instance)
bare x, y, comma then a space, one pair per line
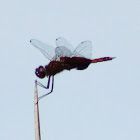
36, 114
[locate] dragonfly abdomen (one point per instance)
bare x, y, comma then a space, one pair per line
80, 63
102, 59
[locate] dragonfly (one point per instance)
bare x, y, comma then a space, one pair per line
63, 57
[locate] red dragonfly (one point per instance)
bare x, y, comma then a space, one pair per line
64, 57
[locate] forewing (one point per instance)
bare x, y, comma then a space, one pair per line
62, 51
60, 41
84, 49
63, 48
47, 50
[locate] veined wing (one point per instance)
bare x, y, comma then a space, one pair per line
60, 41
84, 49
63, 49
47, 50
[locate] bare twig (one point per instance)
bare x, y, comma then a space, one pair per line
36, 114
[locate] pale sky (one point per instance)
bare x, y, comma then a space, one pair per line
99, 103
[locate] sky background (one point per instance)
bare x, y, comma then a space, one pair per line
99, 103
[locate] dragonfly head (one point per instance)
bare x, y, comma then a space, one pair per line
40, 72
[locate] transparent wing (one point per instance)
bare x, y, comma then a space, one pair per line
84, 49
47, 50
60, 41
62, 51
63, 48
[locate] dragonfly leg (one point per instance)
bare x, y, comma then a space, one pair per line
48, 82
49, 92
41, 85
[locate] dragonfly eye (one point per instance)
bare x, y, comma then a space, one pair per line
40, 72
